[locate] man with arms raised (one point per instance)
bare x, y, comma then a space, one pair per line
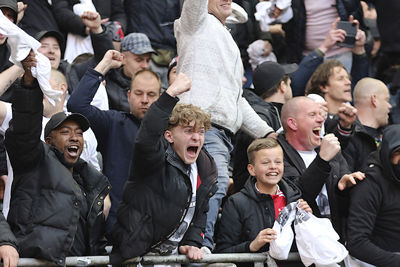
56, 207
165, 200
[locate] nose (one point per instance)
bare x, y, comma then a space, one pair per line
196, 136
145, 64
145, 99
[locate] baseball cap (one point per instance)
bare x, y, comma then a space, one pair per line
269, 73
137, 43
11, 4
172, 64
60, 117
60, 39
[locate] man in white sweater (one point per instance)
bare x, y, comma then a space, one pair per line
210, 57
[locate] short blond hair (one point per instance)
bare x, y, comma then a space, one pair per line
183, 114
258, 144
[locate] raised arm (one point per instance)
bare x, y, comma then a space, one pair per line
193, 13
83, 95
22, 141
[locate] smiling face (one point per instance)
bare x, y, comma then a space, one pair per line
267, 167
68, 139
338, 88
306, 125
51, 49
220, 9
186, 140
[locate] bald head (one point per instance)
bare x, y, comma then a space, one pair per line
293, 107
57, 78
365, 88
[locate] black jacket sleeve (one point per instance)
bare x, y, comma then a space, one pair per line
6, 235
67, 20
22, 140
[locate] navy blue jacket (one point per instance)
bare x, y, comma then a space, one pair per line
115, 132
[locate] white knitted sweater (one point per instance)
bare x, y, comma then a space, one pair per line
210, 57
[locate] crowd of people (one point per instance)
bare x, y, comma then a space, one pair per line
186, 126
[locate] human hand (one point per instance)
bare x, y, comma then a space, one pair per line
334, 36
29, 62
347, 115
276, 13
303, 205
350, 180
181, 84
263, 237
191, 252
111, 60
21, 11
330, 146
93, 21
9, 255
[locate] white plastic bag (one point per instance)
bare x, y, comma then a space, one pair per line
280, 247
317, 241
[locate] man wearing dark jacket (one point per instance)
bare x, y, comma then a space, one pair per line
115, 130
374, 212
56, 208
371, 98
316, 165
165, 201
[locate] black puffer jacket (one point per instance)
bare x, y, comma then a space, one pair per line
45, 208
248, 212
6, 235
159, 190
374, 212
296, 28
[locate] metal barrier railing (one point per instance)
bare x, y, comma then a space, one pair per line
259, 260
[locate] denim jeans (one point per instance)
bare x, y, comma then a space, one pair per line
345, 58
219, 145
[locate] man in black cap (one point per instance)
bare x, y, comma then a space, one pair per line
57, 199
271, 90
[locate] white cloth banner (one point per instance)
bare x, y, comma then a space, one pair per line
21, 44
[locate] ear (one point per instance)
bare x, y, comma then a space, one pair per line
282, 87
168, 136
128, 94
292, 124
48, 140
373, 100
250, 169
323, 89
64, 88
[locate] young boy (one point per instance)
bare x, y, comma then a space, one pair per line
248, 216
165, 200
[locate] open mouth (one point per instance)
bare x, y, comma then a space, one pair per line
73, 150
317, 131
272, 174
192, 150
